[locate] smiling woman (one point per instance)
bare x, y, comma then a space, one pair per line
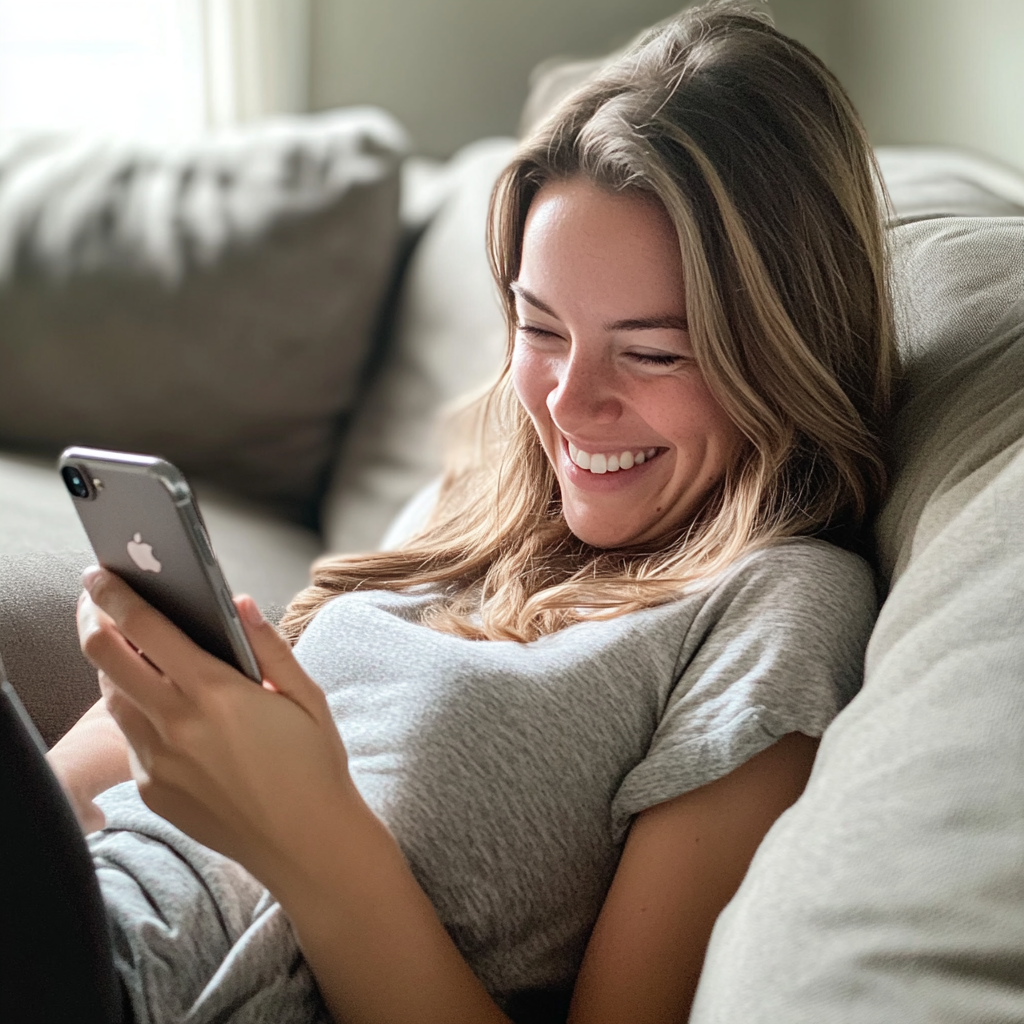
516, 768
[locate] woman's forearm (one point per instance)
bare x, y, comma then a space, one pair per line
91, 757
371, 936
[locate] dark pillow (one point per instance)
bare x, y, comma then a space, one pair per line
212, 304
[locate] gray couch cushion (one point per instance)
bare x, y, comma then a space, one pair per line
894, 889
450, 338
212, 304
961, 283
38, 641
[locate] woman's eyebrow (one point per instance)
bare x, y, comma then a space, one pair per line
668, 321
532, 299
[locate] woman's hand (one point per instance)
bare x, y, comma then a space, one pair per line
245, 769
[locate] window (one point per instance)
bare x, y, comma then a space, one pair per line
151, 68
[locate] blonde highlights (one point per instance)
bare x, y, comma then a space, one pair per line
755, 153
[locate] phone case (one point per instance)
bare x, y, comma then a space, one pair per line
145, 526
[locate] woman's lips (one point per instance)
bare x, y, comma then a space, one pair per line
587, 480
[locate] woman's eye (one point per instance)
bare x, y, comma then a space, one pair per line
652, 359
534, 332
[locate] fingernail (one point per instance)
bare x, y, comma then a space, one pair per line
90, 576
81, 597
251, 612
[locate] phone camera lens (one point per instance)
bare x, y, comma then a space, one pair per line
75, 482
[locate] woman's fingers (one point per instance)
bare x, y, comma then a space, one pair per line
164, 645
154, 664
104, 644
135, 718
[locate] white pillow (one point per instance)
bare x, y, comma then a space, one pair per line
449, 339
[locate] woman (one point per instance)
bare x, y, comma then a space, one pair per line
570, 707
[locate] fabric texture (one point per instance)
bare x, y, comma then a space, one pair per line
213, 304
508, 773
38, 638
959, 289
449, 339
196, 938
894, 888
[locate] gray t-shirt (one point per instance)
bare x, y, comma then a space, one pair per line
508, 773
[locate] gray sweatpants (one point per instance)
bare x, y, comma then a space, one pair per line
196, 938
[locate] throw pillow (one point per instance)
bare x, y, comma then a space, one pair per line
211, 303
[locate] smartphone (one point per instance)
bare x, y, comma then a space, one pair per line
145, 526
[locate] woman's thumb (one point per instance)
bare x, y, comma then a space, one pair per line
274, 656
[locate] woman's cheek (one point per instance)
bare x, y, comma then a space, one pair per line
532, 378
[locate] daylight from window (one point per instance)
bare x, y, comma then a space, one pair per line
130, 67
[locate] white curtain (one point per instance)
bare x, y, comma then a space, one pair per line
256, 59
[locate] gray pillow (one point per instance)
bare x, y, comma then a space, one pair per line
894, 889
213, 303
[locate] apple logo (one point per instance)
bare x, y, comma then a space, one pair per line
142, 554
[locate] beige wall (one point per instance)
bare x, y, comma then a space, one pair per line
455, 70
941, 71
921, 71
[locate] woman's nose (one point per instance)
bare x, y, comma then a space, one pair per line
585, 393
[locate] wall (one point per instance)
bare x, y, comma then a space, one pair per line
940, 71
455, 70
921, 71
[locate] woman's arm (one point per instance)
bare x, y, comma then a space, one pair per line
91, 756
683, 861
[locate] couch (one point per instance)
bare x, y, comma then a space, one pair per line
285, 311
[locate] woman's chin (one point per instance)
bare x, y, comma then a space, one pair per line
602, 535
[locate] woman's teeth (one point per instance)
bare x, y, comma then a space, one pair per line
599, 463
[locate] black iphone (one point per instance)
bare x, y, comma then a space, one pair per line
145, 526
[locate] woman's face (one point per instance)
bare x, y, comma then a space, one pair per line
603, 365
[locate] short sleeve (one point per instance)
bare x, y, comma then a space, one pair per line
778, 647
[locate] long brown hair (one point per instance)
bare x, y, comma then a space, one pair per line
760, 161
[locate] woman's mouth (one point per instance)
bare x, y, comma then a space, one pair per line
599, 463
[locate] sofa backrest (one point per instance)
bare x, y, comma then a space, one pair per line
449, 338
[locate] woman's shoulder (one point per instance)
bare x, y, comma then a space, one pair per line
798, 583
802, 562
808, 558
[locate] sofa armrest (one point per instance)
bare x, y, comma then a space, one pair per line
38, 639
